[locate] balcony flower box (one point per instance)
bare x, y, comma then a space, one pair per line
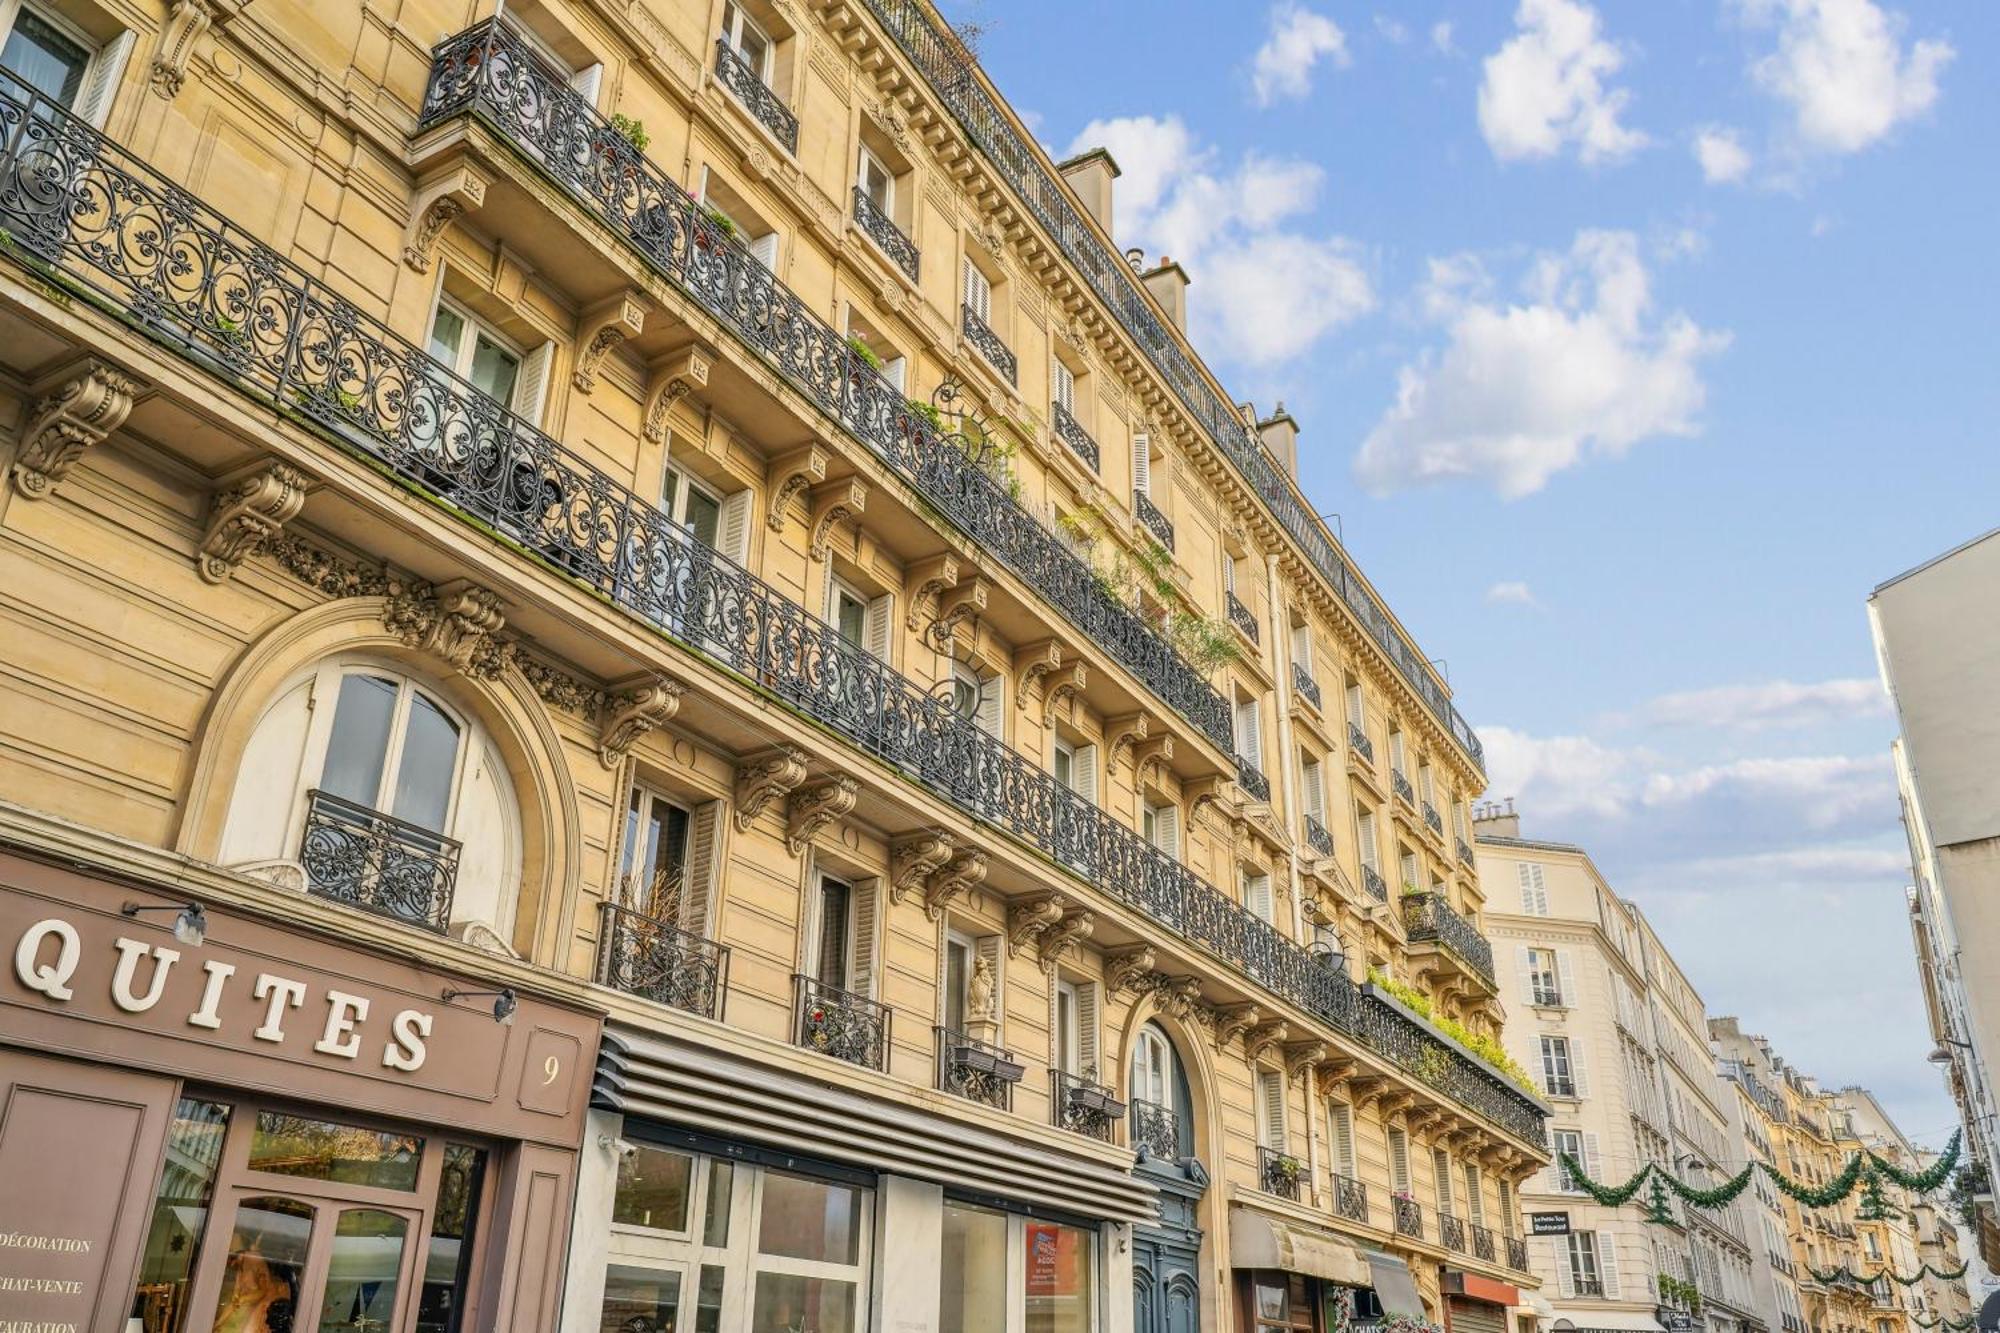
1097, 1101
981, 1061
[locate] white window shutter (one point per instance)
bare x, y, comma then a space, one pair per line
100, 82
531, 390
1249, 741
1607, 1262
1399, 1159
1257, 896
1142, 463
732, 532
765, 250
867, 935
1441, 1179
1087, 1057
1589, 1162
1527, 957
876, 627
1576, 1073
1566, 981
586, 82
992, 715
1065, 384
896, 370
263, 811
1365, 826
1084, 769
1340, 1133
704, 868
1271, 1107
1168, 821
1566, 1270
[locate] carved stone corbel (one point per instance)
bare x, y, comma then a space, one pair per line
924, 584
834, 503
1265, 1038
1392, 1100
1028, 920
958, 605
1062, 937
440, 201
1302, 1058
1211, 792
77, 408
1180, 997
458, 623
634, 711
1032, 666
1124, 968
765, 778
1152, 758
1421, 1117
673, 377
1332, 1075
913, 857
1122, 735
961, 875
1233, 1020
791, 475
811, 809
602, 328
186, 21
1065, 686
246, 514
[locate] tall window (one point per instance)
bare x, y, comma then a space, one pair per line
1054, 1292
1160, 825
1067, 1042
960, 954
1271, 1109
862, 621
1558, 1072
1544, 986
1475, 1204
1357, 709
1153, 1067
1065, 386
1507, 1218
978, 292
656, 840
1407, 865
1249, 735
1580, 1256
1340, 1137
1399, 1160
1398, 760
46, 54
393, 749
1441, 1179
1075, 767
1257, 895
1313, 784
1570, 1142
692, 505
834, 963
878, 183
1364, 829
747, 40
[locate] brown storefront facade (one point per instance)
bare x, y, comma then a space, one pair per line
228, 1125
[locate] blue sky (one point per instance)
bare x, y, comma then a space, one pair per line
1634, 344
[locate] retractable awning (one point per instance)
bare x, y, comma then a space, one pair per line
1259, 1240
1395, 1286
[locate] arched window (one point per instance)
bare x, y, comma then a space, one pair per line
381, 794
1162, 1112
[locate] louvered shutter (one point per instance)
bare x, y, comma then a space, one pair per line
1399, 1160
1592, 1167
1257, 896
1302, 647
1365, 826
1565, 981
531, 390
1340, 1133
1313, 780
1087, 1058
1167, 820
876, 627
733, 527
1271, 1107
1475, 1203
1527, 960
1566, 1268
1083, 769
1142, 464
978, 292
836, 910
1607, 1262
704, 869
100, 82
1356, 708
1441, 1178
1065, 384
1577, 1075
765, 250
1534, 888
1249, 740
586, 82
867, 936
992, 716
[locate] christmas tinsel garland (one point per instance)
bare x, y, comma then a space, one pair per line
1864, 1169
1835, 1274
1959, 1325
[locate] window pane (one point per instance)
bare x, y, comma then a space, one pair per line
360, 740
957, 980
833, 897
430, 757
447, 335
361, 1275
972, 1277
653, 1189
704, 514
448, 1261
44, 58
290, 1145
640, 1298
267, 1260
1060, 1278
787, 1304
715, 1222
850, 617
809, 1219
180, 1214
708, 1300
494, 370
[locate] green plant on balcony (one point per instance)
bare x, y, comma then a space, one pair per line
865, 354
1410, 890
723, 222
1204, 642
1485, 1047
632, 129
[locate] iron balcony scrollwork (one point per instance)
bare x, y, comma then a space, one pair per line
1372, 881
1404, 791
1303, 682
1482, 1241
885, 233
842, 1024
1072, 433
1156, 522
984, 340
1155, 1129
487, 72
1357, 741
1317, 837
976, 1070
1279, 1173
1239, 616
644, 956
1427, 916
1409, 1217
1451, 1231
733, 72
379, 863
1253, 782
1517, 1254
1433, 820
1464, 852
1084, 1106
941, 60
87, 216
1350, 1199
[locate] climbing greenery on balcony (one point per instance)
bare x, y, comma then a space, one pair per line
1486, 1048
1205, 642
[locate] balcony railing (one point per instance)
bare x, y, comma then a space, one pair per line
487, 72
1427, 916
1072, 433
988, 344
643, 956
1156, 523
1279, 1173
1317, 837
733, 72
1156, 1129
1303, 682
1464, 851
1084, 1106
976, 1070
1517, 1254
1350, 1199
1433, 820
1239, 616
1482, 1241
885, 233
1372, 881
1357, 741
1585, 1285
1403, 789
75, 204
378, 863
842, 1024
1451, 1231
1409, 1217
941, 60
1253, 782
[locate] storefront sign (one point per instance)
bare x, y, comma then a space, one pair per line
1548, 1224
1676, 1321
1052, 1259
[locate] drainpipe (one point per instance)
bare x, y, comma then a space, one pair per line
1286, 776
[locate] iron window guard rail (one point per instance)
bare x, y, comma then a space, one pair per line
882, 229
1357, 741
1464, 851
1156, 522
842, 1024
1084, 1106
1317, 837
1350, 1198
1303, 682
1402, 787
981, 335
1072, 433
1517, 1254
655, 960
486, 71
1433, 819
1239, 616
942, 62
733, 72
378, 863
1409, 1217
1372, 881
86, 215
1155, 1129
1482, 1241
1253, 782
976, 1070
1427, 916
1451, 1231
1279, 1173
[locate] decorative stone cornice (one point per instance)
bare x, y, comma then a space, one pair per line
1180, 998
77, 407
1028, 920
1032, 666
1332, 1075
791, 475
458, 623
1265, 1038
914, 856
1062, 938
924, 584
834, 503
634, 711
246, 514
1125, 969
811, 809
602, 328
959, 605
673, 377
558, 689
1302, 1058
442, 198
965, 872
1233, 1020
765, 778
1122, 735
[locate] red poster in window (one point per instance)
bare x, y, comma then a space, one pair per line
1052, 1259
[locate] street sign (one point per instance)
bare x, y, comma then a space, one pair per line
1548, 1224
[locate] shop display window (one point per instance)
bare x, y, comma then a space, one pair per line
1000, 1271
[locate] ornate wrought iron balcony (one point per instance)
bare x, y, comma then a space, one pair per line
1317, 837
1156, 1130
988, 344
1156, 522
1464, 852
643, 956
1303, 682
1403, 787
976, 1070
88, 218
1084, 1106
1517, 1254
733, 72
1482, 1242
885, 233
1433, 819
378, 863
1254, 784
1451, 1231
1372, 881
1239, 616
940, 60
1409, 1215
842, 1024
1350, 1199
1427, 916
487, 72
1357, 741
1075, 436
1279, 1173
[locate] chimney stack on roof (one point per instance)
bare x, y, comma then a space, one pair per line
1168, 282
1090, 174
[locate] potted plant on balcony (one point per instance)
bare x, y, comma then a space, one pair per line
1097, 1100
981, 1059
1287, 1168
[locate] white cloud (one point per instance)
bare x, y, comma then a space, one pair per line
1545, 88
1842, 67
1392, 30
1723, 158
1265, 290
1441, 38
1511, 592
1580, 368
1298, 39
1772, 705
